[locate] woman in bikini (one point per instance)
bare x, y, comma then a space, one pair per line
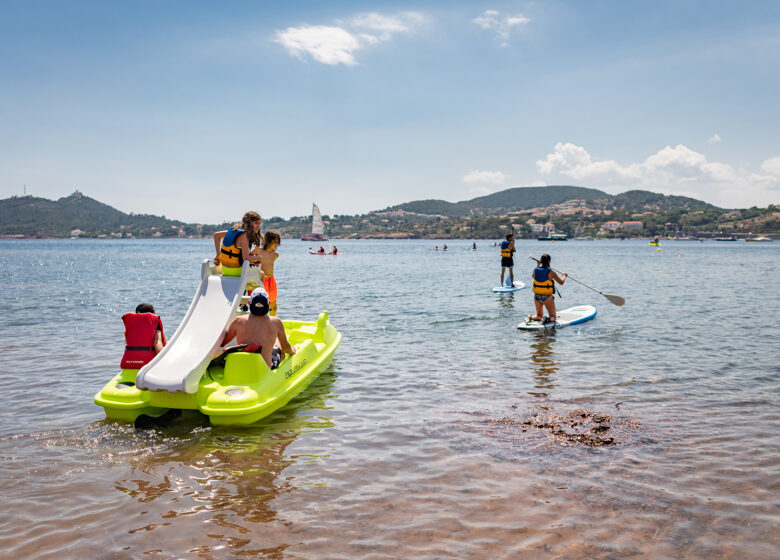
544, 279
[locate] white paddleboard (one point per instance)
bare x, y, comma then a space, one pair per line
507, 288
571, 316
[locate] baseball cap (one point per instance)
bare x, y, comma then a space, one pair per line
258, 302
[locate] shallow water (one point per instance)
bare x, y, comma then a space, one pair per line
440, 431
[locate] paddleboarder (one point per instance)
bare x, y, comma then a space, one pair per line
507, 252
544, 279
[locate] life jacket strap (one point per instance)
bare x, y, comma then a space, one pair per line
238, 254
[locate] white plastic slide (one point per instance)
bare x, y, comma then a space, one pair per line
183, 361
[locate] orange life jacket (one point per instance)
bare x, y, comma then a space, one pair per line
139, 339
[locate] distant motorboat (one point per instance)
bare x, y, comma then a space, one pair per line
729, 238
317, 226
759, 239
554, 237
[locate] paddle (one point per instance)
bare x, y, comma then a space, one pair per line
617, 300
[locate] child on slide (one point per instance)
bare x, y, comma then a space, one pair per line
544, 279
233, 245
268, 253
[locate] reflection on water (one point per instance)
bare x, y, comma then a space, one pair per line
506, 300
544, 366
231, 474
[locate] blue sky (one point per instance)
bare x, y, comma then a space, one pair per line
202, 110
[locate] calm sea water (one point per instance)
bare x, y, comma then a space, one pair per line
438, 432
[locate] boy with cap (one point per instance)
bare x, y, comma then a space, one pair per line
260, 329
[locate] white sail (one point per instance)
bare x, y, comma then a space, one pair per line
317, 227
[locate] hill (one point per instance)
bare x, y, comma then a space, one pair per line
29, 216
518, 199
638, 200
569, 209
509, 200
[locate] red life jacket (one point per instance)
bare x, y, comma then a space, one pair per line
139, 339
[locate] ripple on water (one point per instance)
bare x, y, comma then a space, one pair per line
414, 444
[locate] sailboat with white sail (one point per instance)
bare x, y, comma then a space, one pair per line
317, 227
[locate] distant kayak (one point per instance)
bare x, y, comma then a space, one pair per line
571, 316
506, 288
326, 253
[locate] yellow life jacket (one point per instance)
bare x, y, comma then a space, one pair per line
506, 250
230, 253
543, 282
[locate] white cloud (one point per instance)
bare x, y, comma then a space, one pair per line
677, 170
492, 20
387, 25
337, 44
714, 139
494, 177
772, 166
329, 45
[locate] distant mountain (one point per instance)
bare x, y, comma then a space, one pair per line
645, 200
571, 208
81, 215
526, 198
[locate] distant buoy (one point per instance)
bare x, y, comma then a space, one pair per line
659, 249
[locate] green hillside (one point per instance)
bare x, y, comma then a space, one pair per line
31, 216
509, 200
485, 217
637, 200
524, 198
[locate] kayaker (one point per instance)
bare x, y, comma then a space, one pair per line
507, 260
335, 251
271, 240
260, 330
544, 279
234, 245
322, 249
144, 336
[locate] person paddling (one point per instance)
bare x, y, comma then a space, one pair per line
507, 262
544, 279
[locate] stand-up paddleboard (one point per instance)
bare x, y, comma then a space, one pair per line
571, 316
506, 288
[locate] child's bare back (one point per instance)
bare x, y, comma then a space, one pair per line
267, 265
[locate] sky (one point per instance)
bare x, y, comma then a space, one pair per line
200, 111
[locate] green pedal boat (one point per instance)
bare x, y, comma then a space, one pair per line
242, 392
239, 390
